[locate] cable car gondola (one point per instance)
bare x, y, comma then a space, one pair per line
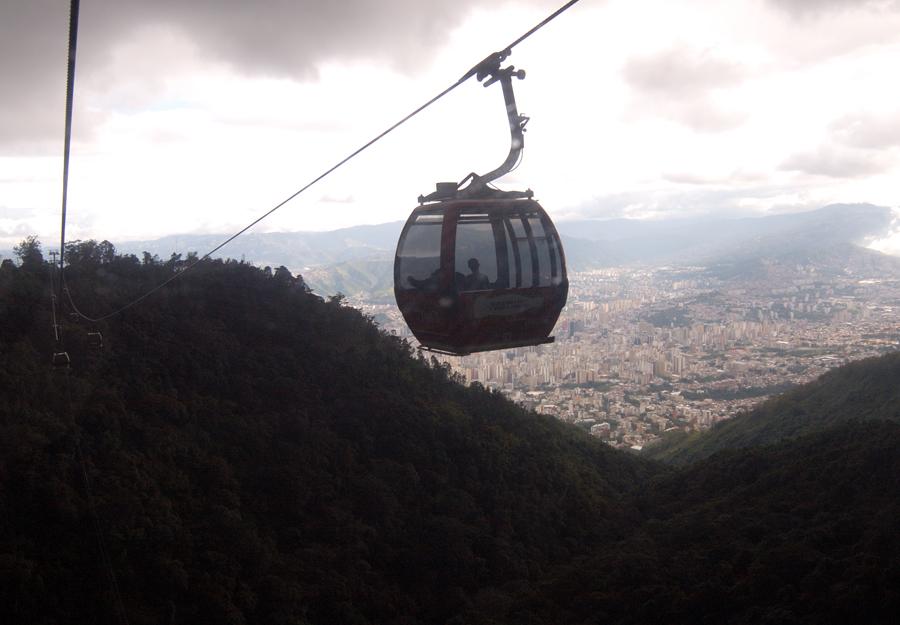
476, 268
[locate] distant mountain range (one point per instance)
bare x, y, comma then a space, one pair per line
297, 251
830, 240
359, 260
707, 239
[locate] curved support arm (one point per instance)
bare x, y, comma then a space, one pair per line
516, 130
489, 72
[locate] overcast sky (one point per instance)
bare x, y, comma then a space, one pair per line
200, 115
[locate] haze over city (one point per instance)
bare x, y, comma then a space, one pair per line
198, 117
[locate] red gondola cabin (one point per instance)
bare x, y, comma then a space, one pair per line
477, 275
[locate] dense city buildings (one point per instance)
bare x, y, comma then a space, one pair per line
640, 352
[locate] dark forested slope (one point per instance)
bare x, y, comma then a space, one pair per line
801, 532
242, 451
257, 454
864, 390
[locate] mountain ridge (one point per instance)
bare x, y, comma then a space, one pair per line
624, 241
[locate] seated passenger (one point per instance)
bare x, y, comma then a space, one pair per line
476, 281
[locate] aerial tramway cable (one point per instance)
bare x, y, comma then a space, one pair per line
61, 357
70, 97
69, 101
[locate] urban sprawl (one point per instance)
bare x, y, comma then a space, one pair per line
642, 352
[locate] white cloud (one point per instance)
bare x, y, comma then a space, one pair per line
889, 244
869, 130
679, 84
707, 178
680, 72
836, 162
183, 125
816, 8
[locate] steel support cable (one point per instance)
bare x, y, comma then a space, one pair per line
542, 23
70, 98
175, 276
74, 7
53, 302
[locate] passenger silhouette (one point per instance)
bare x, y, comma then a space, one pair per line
476, 281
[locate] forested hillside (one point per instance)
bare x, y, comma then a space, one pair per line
864, 390
242, 451
257, 454
801, 532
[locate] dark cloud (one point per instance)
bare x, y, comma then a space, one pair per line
278, 38
287, 37
835, 163
29, 83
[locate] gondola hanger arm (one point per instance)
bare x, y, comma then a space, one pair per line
488, 71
